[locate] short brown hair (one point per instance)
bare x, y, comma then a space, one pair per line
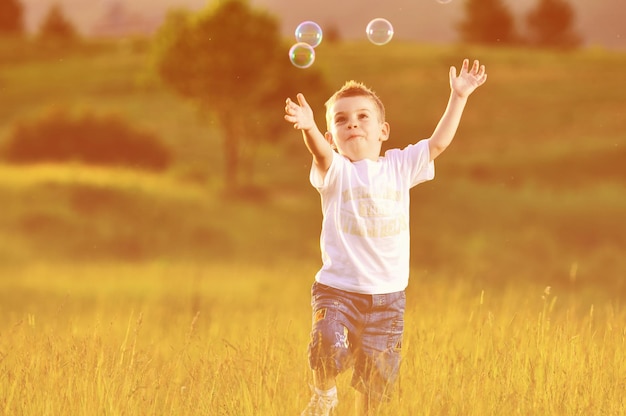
355, 89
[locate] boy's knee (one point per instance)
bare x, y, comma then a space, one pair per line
376, 375
387, 365
329, 347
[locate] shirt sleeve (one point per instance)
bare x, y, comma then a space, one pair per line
315, 176
414, 162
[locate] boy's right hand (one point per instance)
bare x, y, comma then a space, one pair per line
301, 114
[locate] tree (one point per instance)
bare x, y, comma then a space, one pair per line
332, 33
487, 22
550, 24
11, 18
232, 61
56, 25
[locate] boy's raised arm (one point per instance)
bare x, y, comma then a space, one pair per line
301, 115
461, 87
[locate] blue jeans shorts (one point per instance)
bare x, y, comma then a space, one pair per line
359, 331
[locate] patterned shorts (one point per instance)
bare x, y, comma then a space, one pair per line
360, 331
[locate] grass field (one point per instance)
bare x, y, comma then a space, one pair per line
191, 339
130, 293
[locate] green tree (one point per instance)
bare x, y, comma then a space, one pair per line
232, 61
550, 24
11, 18
56, 25
487, 22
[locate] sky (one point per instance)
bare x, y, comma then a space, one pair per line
600, 22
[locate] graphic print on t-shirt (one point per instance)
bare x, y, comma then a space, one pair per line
376, 213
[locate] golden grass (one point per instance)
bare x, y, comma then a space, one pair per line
191, 339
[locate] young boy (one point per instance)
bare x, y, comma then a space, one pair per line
358, 298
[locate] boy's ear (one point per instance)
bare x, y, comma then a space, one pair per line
329, 138
384, 132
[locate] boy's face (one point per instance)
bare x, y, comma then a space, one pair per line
355, 128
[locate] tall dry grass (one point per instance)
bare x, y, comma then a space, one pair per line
208, 339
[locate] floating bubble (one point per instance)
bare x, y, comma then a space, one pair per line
302, 55
444, 1
309, 32
379, 31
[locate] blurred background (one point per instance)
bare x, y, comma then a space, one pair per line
145, 131
599, 22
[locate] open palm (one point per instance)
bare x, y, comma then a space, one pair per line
300, 113
468, 79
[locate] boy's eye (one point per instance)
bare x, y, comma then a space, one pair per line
362, 116
340, 120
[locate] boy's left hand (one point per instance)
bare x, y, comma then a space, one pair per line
469, 79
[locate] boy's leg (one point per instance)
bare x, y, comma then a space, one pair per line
332, 324
329, 348
364, 405
323, 381
378, 361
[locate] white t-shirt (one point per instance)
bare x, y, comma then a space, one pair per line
365, 226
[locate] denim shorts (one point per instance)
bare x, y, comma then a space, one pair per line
360, 331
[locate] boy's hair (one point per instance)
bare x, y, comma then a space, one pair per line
355, 89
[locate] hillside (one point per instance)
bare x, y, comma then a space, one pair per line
532, 188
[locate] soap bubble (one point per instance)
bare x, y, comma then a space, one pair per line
309, 32
302, 55
379, 31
